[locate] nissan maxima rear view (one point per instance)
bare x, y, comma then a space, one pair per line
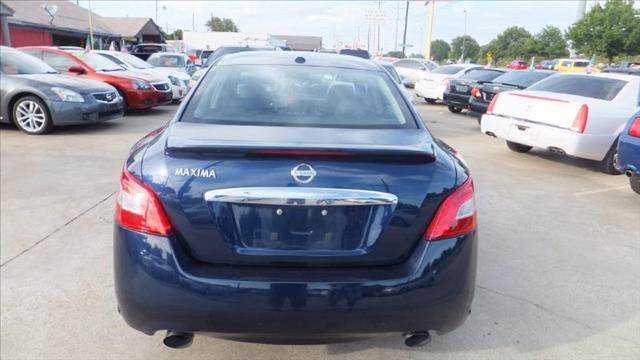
295, 198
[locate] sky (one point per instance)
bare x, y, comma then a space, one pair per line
342, 22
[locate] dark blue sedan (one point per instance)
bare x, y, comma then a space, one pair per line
295, 198
629, 152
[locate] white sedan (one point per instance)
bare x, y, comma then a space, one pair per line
432, 85
179, 80
574, 114
411, 70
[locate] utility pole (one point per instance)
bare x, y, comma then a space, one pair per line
90, 28
404, 36
193, 21
156, 11
432, 10
395, 38
378, 31
368, 37
464, 36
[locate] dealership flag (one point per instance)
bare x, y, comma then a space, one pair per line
112, 47
123, 46
87, 44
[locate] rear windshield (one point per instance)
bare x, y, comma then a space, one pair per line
449, 70
582, 85
521, 79
277, 95
176, 61
147, 49
356, 52
481, 75
580, 63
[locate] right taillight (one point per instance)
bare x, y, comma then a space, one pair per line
455, 216
634, 129
492, 104
139, 209
580, 121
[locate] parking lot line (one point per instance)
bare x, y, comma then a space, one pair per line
600, 191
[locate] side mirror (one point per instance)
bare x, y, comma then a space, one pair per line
77, 70
422, 68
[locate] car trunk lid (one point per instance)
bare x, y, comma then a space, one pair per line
300, 198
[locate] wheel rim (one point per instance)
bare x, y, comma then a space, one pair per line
30, 116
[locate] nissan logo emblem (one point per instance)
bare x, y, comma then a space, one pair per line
303, 173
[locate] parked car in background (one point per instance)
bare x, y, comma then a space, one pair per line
572, 65
346, 219
518, 65
629, 152
204, 55
194, 55
361, 53
172, 62
143, 51
482, 94
35, 97
179, 80
625, 67
574, 114
395, 76
140, 91
457, 95
547, 65
412, 69
220, 52
432, 85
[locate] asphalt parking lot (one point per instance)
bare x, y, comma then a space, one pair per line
558, 276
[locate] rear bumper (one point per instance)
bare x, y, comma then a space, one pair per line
158, 287
477, 108
429, 90
593, 147
629, 154
454, 99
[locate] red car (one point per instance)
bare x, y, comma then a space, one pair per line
518, 65
140, 91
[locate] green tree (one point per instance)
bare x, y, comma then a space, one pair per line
609, 30
222, 25
471, 48
514, 42
550, 44
416, 56
175, 35
395, 54
440, 50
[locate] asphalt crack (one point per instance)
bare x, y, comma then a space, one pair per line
71, 221
542, 308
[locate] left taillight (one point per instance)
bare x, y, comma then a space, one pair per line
139, 209
455, 216
634, 129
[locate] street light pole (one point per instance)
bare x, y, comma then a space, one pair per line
404, 36
464, 36
432, 10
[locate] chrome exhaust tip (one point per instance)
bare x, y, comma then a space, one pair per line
417, 339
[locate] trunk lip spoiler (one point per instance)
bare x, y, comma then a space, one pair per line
301, 196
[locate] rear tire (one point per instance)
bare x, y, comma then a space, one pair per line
430, 101
519, 148
608, 164
31, 115
455, 109
634, 181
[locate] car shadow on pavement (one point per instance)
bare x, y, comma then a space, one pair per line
585, 164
